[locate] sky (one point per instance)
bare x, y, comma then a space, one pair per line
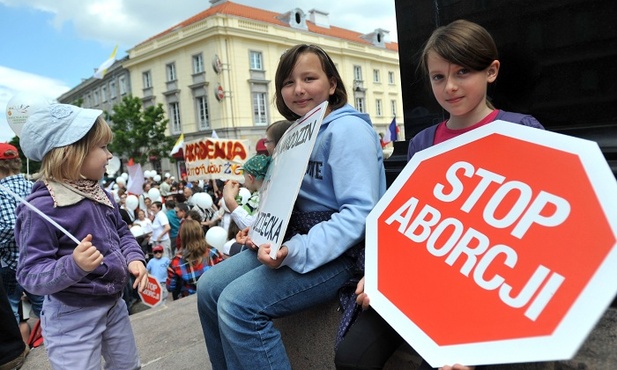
49, 46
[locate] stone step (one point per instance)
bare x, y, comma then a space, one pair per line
170, 337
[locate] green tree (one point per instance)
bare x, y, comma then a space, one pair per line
27, 166
139, 133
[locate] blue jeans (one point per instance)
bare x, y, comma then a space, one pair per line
238, 298
14, 292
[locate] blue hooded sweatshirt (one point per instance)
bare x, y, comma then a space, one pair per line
346, 175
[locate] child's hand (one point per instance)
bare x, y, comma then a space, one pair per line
232, 188
263, 255
138, 270
86, 256
457, 367
362, 298
242, 237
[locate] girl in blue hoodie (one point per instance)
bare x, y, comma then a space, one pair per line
238, 299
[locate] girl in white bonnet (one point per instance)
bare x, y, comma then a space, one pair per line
83, 316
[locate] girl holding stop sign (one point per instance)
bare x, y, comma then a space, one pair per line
460, 60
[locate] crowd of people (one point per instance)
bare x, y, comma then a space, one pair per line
166, 235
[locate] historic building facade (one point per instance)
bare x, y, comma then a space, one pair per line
215, 71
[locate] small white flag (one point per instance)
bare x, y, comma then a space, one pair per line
214, 135
179, 145
100, 72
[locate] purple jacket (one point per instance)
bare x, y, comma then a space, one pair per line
426, 137
46, 265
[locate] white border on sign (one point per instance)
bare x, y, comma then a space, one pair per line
579, 320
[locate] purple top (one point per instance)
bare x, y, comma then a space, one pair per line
46, 265
426, 137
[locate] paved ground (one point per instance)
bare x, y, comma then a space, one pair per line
168, 337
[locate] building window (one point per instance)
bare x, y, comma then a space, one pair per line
260, 113
393, 107
123, 87
112, 90
360, 104
391, 78
203, 115
174, 117
147, 77
256, 61
171, 72
357, 73
104, 93
378, 109
376, 77
96, 97
198, 63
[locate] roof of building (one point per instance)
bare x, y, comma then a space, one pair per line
243, 11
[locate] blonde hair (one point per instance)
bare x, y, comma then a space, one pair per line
194, 244
64, 163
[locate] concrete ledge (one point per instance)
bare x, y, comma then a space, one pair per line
309, 341
170, 337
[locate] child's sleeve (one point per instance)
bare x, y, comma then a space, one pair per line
41, 269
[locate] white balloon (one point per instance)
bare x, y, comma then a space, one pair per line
203, 200
216, 237
20, 107
147, 174
120, 180
113, 166
125, 175
245, 194
154, 194
131, 202
157, 178
167, 174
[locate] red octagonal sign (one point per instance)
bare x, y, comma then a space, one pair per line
152, 295
496, 246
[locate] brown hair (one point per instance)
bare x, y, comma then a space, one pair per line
193, 214
277, 129
194, 246
463, 43
285, 68
9, 167
233, 230
64, 163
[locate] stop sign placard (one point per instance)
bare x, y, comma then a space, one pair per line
152, 295
496, 246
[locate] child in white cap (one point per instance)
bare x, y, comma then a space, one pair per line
83, 316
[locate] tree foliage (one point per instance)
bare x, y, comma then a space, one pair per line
27, 166
139, 133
